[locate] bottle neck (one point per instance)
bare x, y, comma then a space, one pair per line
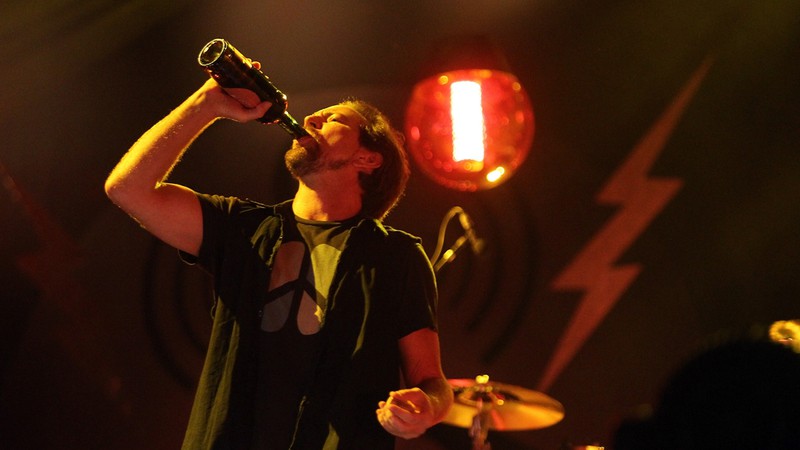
291, 126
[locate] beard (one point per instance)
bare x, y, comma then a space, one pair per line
302, 160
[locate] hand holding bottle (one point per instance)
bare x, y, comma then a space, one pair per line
221, 103
245, 96
244, 81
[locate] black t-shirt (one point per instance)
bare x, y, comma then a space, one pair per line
383, 290
291, 318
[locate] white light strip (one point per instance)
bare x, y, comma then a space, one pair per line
467, 116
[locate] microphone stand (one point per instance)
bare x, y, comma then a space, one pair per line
439, 259
450, 254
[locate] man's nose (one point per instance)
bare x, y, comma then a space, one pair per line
313, 121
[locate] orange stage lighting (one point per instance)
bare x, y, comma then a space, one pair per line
469, 124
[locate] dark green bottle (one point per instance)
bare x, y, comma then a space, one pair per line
231, 69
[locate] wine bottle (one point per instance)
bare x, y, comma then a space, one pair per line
225, 64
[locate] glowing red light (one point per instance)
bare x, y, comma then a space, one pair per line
469, 129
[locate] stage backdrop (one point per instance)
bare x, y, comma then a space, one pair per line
658, 208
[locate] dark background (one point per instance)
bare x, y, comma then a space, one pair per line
102, 329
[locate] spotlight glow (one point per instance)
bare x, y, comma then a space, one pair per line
468, 128
496, 174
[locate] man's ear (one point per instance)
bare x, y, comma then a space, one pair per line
368, 161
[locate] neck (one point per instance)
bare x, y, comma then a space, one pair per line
331, 204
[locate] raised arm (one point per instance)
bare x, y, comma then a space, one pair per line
138, 183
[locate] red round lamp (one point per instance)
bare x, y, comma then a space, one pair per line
471, 125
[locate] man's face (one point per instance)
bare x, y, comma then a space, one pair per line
333, 144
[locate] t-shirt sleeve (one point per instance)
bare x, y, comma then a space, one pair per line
219, 215
419, 293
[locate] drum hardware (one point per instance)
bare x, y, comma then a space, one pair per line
481, 405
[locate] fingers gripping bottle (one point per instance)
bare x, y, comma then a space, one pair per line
233, 71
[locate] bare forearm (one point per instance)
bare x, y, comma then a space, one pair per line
150, 160
440, 394
137, 184
408, 413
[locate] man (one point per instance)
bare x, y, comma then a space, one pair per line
321, 310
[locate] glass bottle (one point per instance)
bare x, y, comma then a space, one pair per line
232, 70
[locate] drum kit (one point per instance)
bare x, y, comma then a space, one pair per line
481, 405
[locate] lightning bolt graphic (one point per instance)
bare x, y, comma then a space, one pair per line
641, 199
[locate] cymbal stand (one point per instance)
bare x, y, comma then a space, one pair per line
479, 431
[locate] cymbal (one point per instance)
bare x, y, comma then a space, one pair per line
509, 407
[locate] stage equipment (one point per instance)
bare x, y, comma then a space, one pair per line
237, 75
482, 405
469, 122
439, 259
786, 332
